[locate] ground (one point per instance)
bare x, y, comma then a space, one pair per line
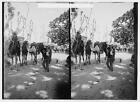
32, 82
96, 81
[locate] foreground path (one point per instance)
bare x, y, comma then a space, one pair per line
32, 82
97, 82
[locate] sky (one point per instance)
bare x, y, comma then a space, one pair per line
40, 17
103, 13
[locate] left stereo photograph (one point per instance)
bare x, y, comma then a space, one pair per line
36, 51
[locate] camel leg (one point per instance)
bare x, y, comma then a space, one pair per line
22, 59
80, 62
19, 60
26, 59
86, 58
89, 59
95, 57
16, 59
12, 60
76, 59
31, 58
16, 62
83, 57
99, 57
36, 58
80, 59
47, 65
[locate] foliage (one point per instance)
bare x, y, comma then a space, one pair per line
10, 9
59, 32
123, 31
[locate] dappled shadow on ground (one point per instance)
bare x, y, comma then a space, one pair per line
32, 82
96, 81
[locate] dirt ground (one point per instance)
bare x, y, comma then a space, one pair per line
96, 81
32, 82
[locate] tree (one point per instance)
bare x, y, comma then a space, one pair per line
123, 31
10, 14
59, 32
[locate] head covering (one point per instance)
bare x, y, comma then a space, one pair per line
14, 36
78, 32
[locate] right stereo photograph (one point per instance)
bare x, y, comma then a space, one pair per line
104, 50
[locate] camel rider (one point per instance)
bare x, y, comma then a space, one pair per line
78, 36
14, 36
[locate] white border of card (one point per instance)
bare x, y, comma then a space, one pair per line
138, 76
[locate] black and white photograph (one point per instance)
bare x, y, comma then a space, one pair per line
36, 51
73, 50
103, 51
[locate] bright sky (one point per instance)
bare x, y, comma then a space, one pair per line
40, 16
104, 14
